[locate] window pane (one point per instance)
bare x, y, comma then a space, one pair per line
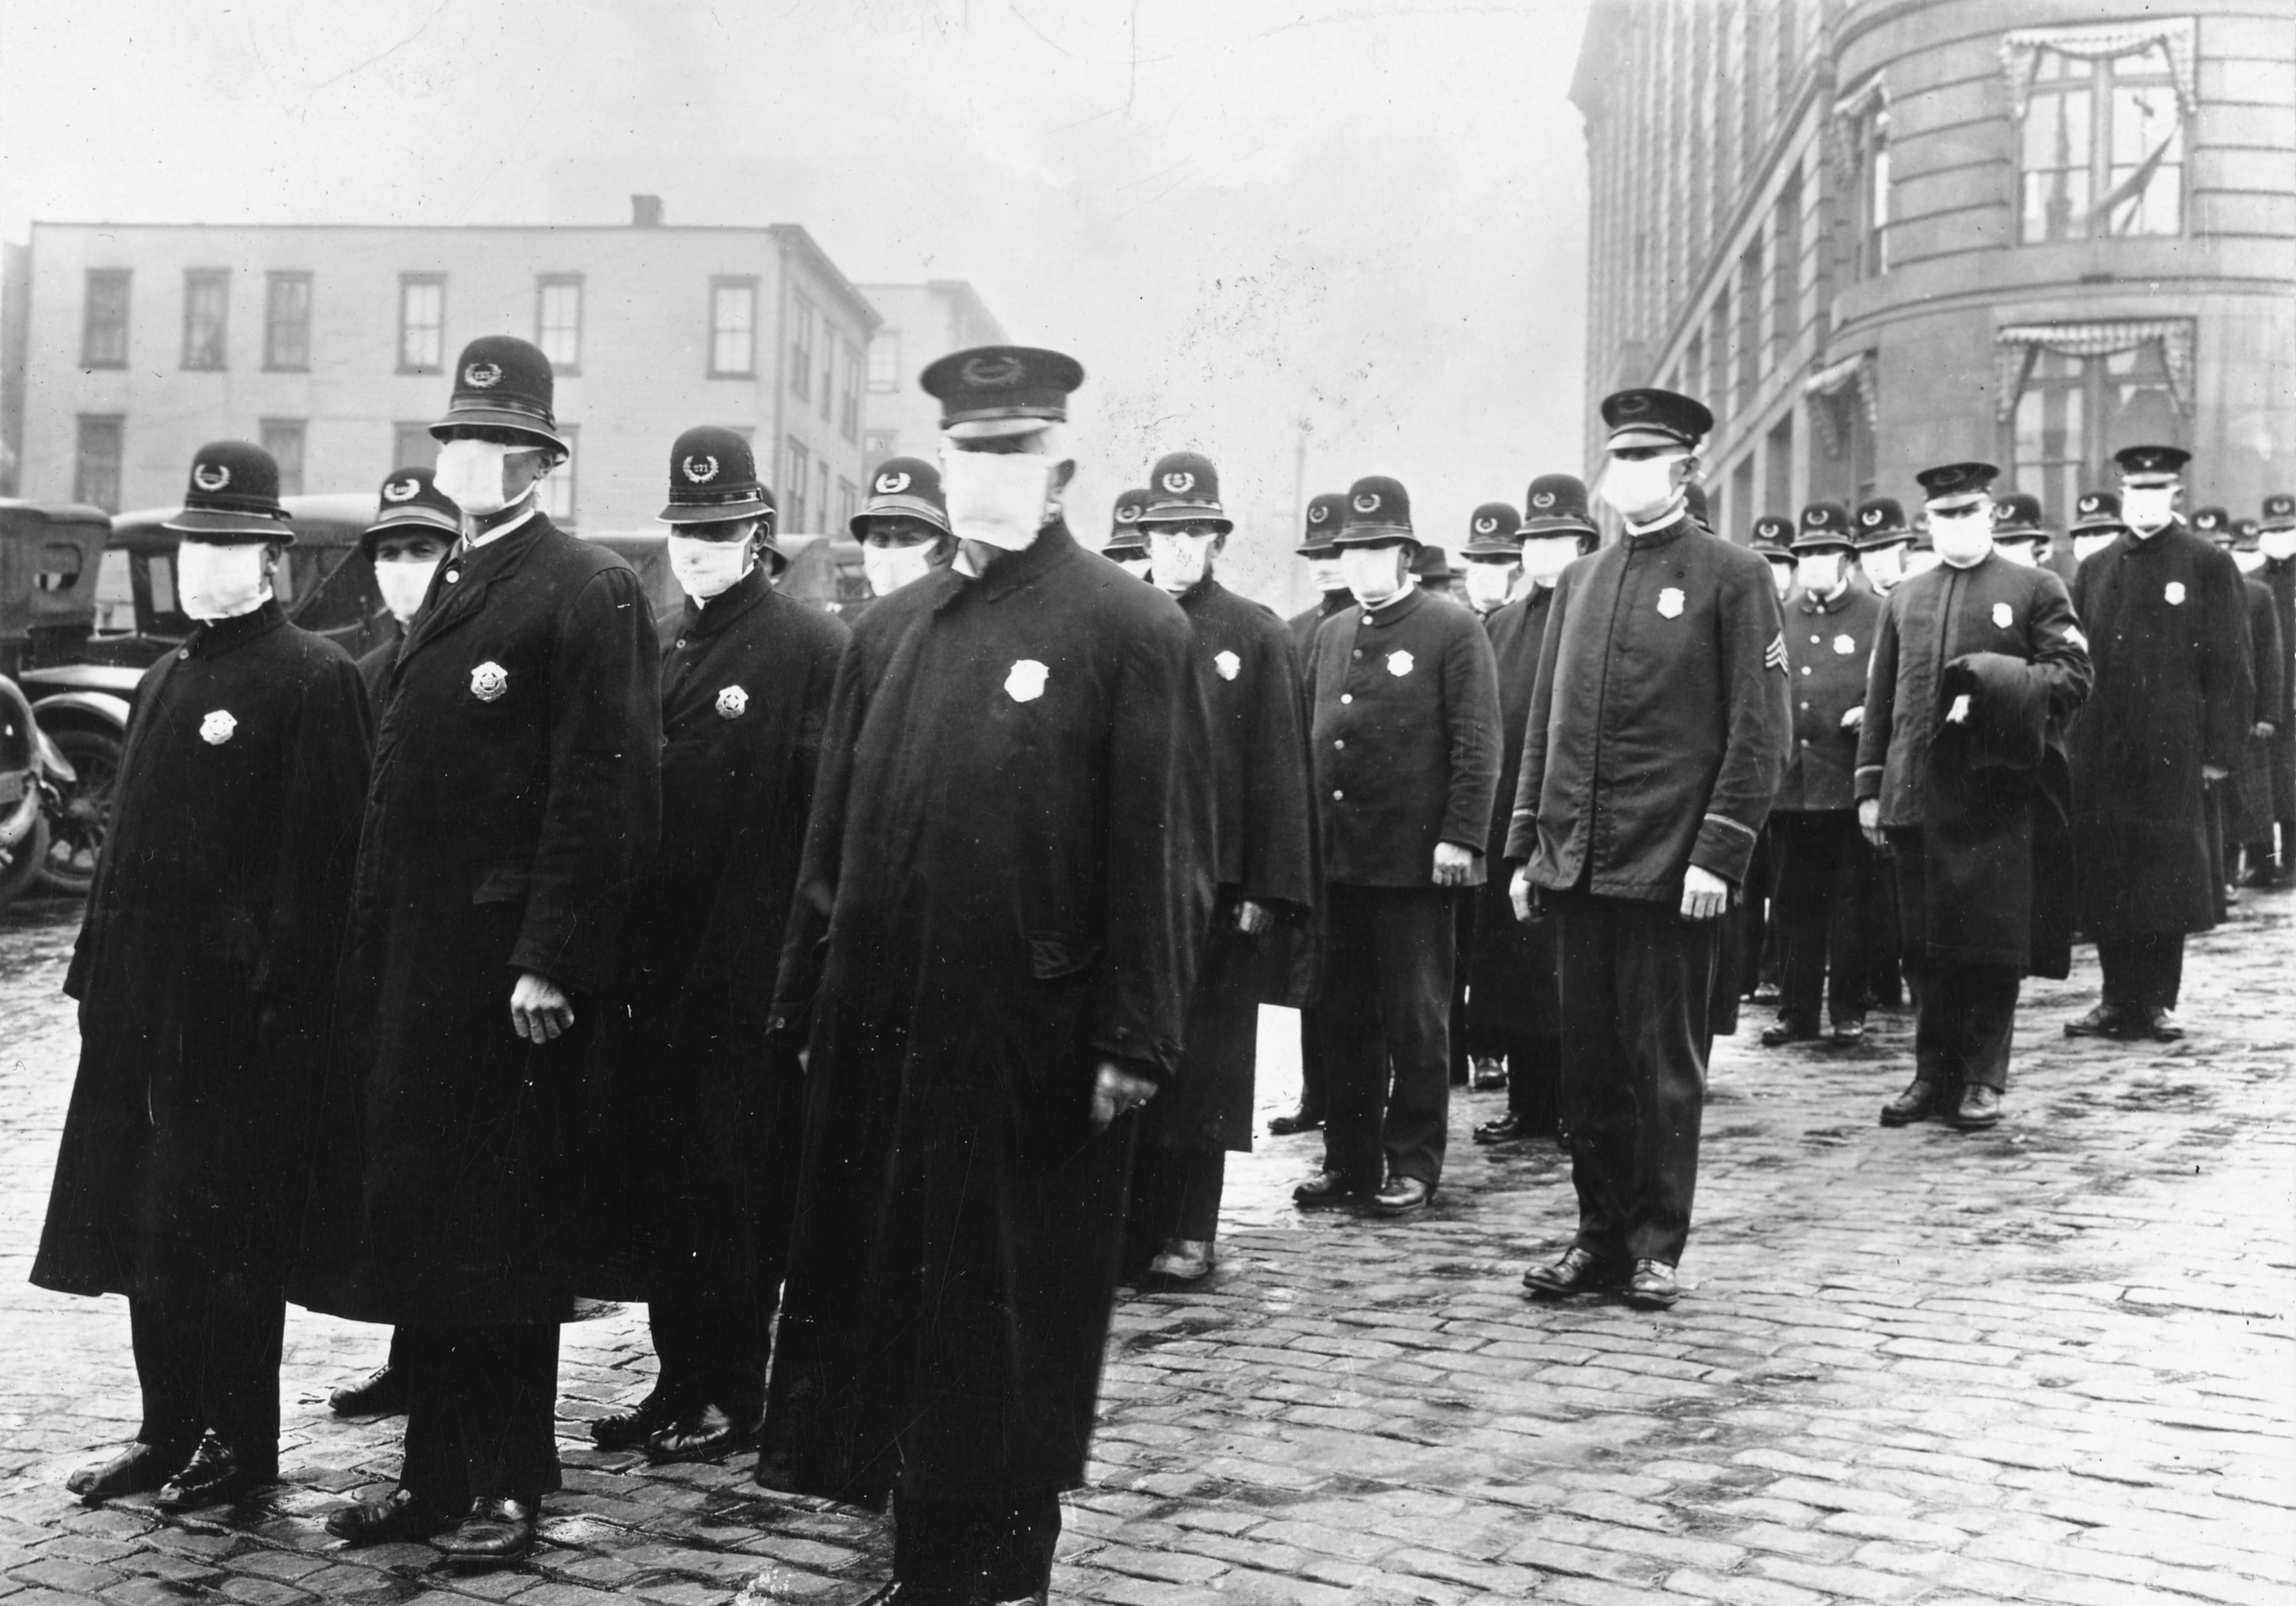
412, 446
830, 341
103, 337
556, 496
287, 322
282, 438
795, 480
800, 376
206, 293
733, 329
2147, 166
96, 468
422, 325
885, 360
558, 321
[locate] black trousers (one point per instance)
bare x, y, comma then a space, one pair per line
1464, 911
207, 1360
997, 1552
1175, 1193
712, 1341
1534, 1074
1962, 1034
2142, 973
1387, 993
1822, 881
1314, 1074
481, 1413
1635, 983
1884, 940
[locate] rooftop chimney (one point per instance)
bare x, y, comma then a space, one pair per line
645, 211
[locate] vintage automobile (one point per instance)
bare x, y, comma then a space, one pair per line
31, 770
51, 555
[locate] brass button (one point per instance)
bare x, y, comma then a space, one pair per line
1337, 796
454, 575
1347, 697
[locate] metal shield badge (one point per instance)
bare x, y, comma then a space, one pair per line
490, 680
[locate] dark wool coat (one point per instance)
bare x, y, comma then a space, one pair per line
1828, 647
1012, 844
203, 965
1988, 797
1303, 625
2280, 579
699, 1105
2248, 796
2168, 629
516, 797
1659, 728
374, 671
1511, 975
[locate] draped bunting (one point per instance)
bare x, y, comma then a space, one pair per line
2021, 51
1848, 112
1830, 391
2014, 346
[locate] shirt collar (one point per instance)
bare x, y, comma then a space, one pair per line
217, 636
496, 532
1407, 602
1679, 508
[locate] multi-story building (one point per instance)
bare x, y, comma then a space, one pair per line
330, 345
921, 321
1878, 234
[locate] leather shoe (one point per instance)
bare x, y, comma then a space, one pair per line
1509, 1128
1981, 1107
2102, 1022
901, 1592
1919, 1099
1183, 1260
401, 1514
1486, 1073
381, 1393
135, 1469
216, 1475
1849, 1033
1299, 1120
1785, 1032
1575, 1271
1402, 1196
627, 1429
495, 1531
1327, 1190
703, 1435
1653, 1286
2158, 1025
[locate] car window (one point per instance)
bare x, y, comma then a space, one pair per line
115, 595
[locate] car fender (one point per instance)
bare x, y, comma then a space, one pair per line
101, 708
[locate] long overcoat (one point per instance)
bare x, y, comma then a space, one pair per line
2168, 631
203, 965
2279, 576
1011, 841
516, 797
2248, 801
1511, 983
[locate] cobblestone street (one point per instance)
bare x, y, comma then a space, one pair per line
2052, 1363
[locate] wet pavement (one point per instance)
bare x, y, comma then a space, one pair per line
2050, 1362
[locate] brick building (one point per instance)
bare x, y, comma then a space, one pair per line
1876, 234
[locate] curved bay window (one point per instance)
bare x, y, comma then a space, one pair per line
2074, 394
2101, 129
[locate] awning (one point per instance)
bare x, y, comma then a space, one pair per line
2173, 35
2014, 345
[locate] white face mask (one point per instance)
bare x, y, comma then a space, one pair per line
404, 583
2086, 547
887, 569
2024, 554
2277, 544
1819, 572
1545, 557
1920, 564
1639, 487
2148, 507
1138, 568
1489, 584
1176, 563
1962, 539
706, 568
1782, 576
1325, 574
1373, 573
1001, 499
219, 582
1884, 566
470, 475
2248, 562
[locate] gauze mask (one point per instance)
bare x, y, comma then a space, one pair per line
2024, 554
219, 582
1638, 486
1176, 563
996, 498
470, 475
1819, 572
2248, 562
1489, 584
404, 583
2086, 547
1884, 566
887, 569
2148, 507
1326, 573
2277, 544
1545, 557
1962, 539
1139, 569
706, 568
1373, 573
1781, 577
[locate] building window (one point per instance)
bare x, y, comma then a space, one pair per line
556, 497
558, 321
2101, 134
848, 395
1718, 348
103, 330
1750, 322
732, 328
1777, 468
422, 322
1871, 148
287, 322
831, 340
1786, 268
885, 361
1694, 368
412, 447
796, 479
96, 460
800, 376
207, 314
282, 438
849, 503
821, 487
2070, 394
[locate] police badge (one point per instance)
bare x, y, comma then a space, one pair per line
1228, 665
490, 680
216, 728
732, 702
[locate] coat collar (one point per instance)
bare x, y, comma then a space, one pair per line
1010, 571
1332, 601
1196, 595
452, 603
728, 605
1810, 604
1665, 534
217, 637
1410, 603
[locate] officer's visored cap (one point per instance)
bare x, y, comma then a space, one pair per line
713, 479
1378, 510
902, 487
2280, 511
502, 382
1184, 488
994, 390
411, 501
1881, 522
2018, 516
1952, 486
1646, 417
233, 497
1492, 531
1825, 526
2150, 465
1556, 504
2098, 511
1325, 513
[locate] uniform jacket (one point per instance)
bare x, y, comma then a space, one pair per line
1405, 737
1013, 847
2167, 628
2248, 811
375, 669
516, 797
203, 964
1659, 728
1303, 625
1988, 795
1828, 646
1510, 976
2280, 751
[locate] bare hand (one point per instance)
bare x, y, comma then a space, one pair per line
1454, 865
1705, 893
540, 1011
1869, 820
2210, 774
1959, 713
1252, 919
1519, 894
1853, 716
1116, 1091
2262, 730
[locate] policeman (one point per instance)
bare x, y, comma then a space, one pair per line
1405, 738
2276, 541
1494, 554
2020, 537
2096, 525
1514, 1003
1128, 544
2248, 817
202, 971
1656, 739
708, 1105
1489, 578
903, 528
1961, 770
1749, 955
413, 526
1884, 539
2172, 707
1264, 874
1431, 571
1921, 553
1773, 538
1823, 869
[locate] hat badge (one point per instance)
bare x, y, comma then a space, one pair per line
994, 372
1130, 513
1543, 499
1179, 481
1318, 515
2089, 505
1872, 515
402, 490
482, 376
701, 470
892, 484
1812, 517
1368, 503
210, 476
1630, 406
1485, 525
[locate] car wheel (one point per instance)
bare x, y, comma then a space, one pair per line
25, 860
78, 826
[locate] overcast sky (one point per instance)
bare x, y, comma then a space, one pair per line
1363, 217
